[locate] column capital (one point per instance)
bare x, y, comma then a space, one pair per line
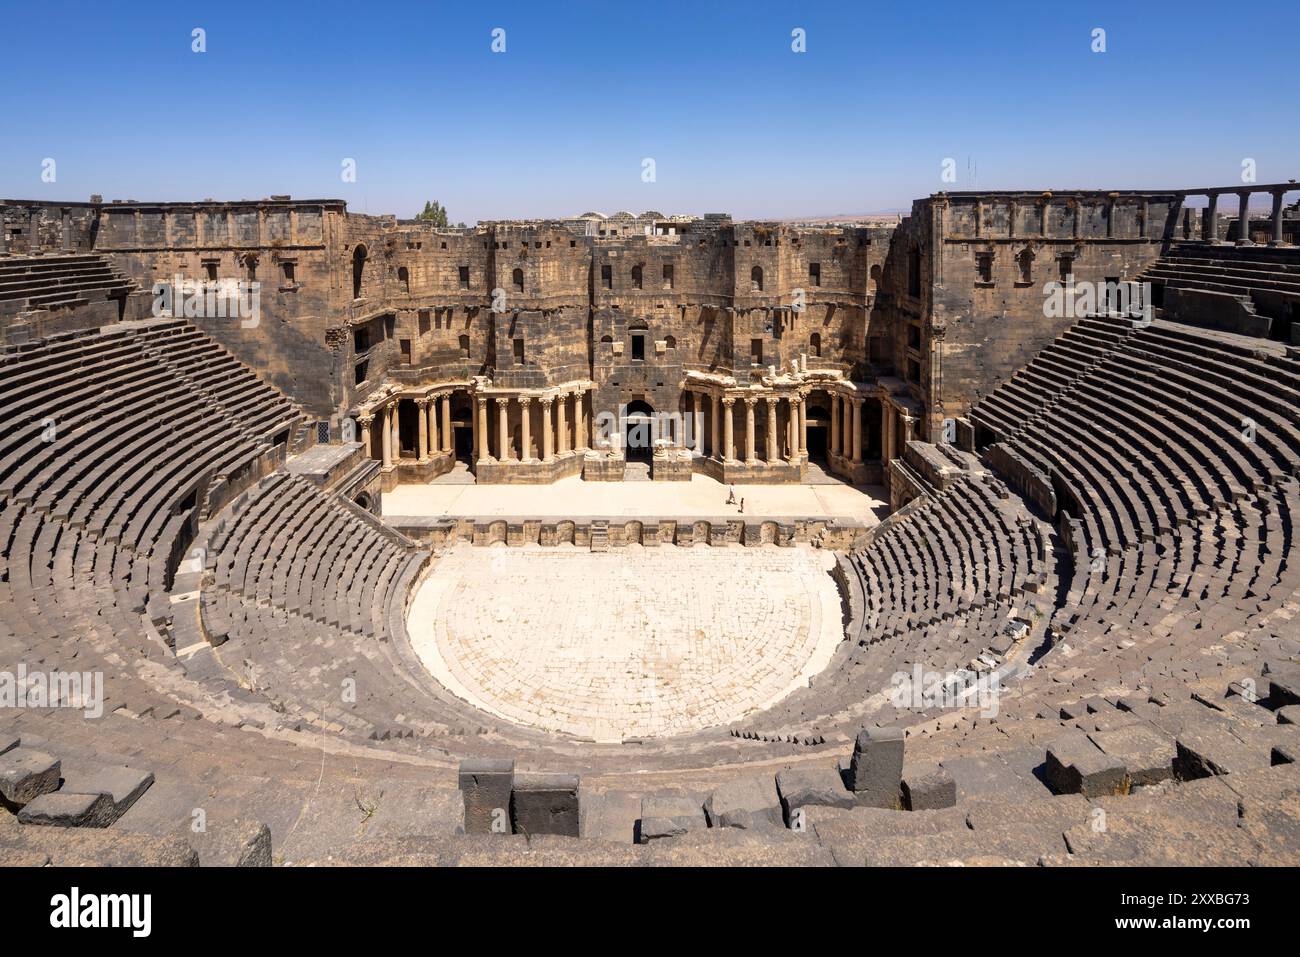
525, 400
365, 420
422, 401
729, 400
546, 400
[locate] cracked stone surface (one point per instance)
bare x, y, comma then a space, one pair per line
656, 642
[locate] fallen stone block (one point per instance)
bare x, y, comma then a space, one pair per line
1147, 754
486, 784
545, 804
802, 787
1284, 686
122, 785
26, 774
61, 809
8, 742
928, 789
237, 843
876, 770
1288, 714
669, 816
1077, 766
748, 803
1207, 751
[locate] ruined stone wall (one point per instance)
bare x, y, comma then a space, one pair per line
32, 226
963, 297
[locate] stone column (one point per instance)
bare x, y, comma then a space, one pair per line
562, 424
422, 449
697, 422
366, 421
750, 458
728, 430
503, 429
1243, 219
447, 444
1279, 238
525, 429
886, 438
581, 439
803, 424
481, 453
1210, 227
857, 431
715, 439
835, 423
435, 446
548, 434
387, 429
397, 431
791, 431
773, 454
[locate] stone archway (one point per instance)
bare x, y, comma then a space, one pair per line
640, 431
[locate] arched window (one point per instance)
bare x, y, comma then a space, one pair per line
815, 344
404, 279
518, 277
756, 279
1025, 261
636, 277
358, 269
670, 342
875, 278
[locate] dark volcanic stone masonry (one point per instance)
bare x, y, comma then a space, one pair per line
1071, 641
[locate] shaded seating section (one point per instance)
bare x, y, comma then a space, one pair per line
1264, 280
952, 585
110, 461
1173, 453
58, 282
294, 546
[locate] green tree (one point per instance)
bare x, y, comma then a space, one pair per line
434, 212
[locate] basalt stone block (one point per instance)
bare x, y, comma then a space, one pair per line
747, 803
121, 784
670, 817
486, 784
62, 809
236, 843
1209, 750
1147, 754
26, 774
1289, 714
928, 789
1077, 766
876, 770
8, 742
1284, 687
802, 787
545, 804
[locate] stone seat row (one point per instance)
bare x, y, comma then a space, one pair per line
291, 545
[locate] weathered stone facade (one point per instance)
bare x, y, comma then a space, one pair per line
534, 350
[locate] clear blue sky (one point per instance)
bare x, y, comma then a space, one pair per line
561, 121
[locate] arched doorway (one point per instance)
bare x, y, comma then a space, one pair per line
819, 429
358, 269
639, 435
462, 424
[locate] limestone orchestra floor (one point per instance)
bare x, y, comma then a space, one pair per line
631, 643
575, 498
